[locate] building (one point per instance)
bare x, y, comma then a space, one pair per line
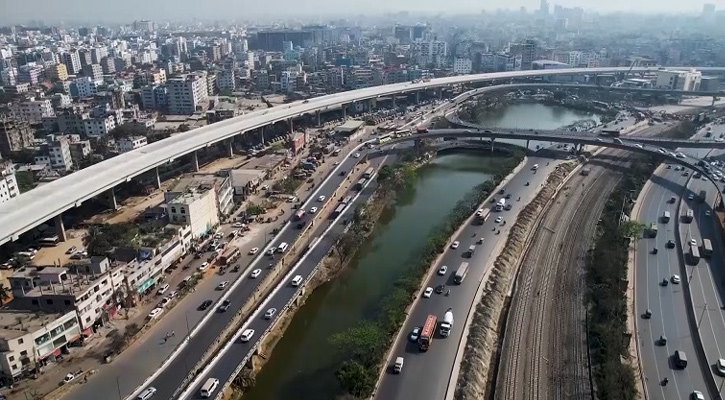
93, 71
222, 185
549, 64
226, 80
196, 208
79, 149
8, 184
72, 61
92, 289
710, 84
83, 87
678, 80
246, 181
56, 72
15, 134
57, 154
432, 52
187, 93
131, 143
30, 73
462, 66
288, 81
29, 340
90, 124
33, 110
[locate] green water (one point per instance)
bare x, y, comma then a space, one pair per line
533, 116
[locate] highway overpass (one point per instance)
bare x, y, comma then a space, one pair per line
566, 86
31, 209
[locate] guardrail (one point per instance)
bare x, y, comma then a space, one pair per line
235, 284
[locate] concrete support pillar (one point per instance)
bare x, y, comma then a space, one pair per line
527, 144
291, 125
713, 101
112, 199
230, 147
492, 140
372, 105
319, 118
195, 161
60, 228
158, 178
394, 105
417, 145
261, 134
344, 112
417, 97
440, 93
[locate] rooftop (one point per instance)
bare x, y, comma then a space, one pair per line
75, 284
350, 126
18, 323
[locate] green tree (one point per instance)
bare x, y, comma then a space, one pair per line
25, 181
20, 261
255, 209
127, 130
386, 172
355, 378
631, 229
359, 342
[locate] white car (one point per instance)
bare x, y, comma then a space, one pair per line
237, 225
336, 163
255, 273
455, 244
313, 210
693, 242
155, 313
428, 292
356, 155
253, 251
638, 146
414, 334
247, 335
222, 285
321, 198
270, 313
499, 220
68, 378
720, 366
442, 270
202, 267
697, 395
675, 279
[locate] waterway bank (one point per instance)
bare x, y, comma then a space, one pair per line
305, 367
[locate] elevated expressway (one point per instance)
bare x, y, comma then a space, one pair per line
48, 201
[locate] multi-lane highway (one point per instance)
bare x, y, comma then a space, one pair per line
426, 375
670, 305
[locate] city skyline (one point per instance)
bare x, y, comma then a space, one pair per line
53, 12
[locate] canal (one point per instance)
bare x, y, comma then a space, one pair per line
531, 115
303, 363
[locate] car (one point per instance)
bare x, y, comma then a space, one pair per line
455, 244
654, 251
440, 289
155, 313
442, 270
672, 200
255, 273
336, 163
690, 196
222, 285
253, 251
225, 305
247, 335
271, 250
205, 304
639, 146
356, 155
647, 314
71, 250
203, 266
708, 213
508, 207
428, 292
508, 196
493, 200
480, 241
237, 225
147, 393
68, 378
675, 279
697, 395
499, 220
720, 367
321, 198
414, 334
313, 210
163, 303
270, 313
693, 242
670, 244
502, 191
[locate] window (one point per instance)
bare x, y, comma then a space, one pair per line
14, 366
11, 358
24, 353
49, 301
67, 302
20, 341
34, 302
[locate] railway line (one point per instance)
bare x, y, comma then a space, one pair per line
544, 353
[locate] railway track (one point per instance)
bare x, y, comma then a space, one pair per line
544, 353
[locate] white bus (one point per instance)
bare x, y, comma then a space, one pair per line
706, 248
209, 387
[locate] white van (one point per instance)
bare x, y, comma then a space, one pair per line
209, 387
163, 289
297, 280
282, 247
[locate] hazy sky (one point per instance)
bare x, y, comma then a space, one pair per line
52, 11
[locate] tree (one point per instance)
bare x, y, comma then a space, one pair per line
20, 261
355, 378
127, 130
361, 342
385, 173
184, 128
25, 181
631, 229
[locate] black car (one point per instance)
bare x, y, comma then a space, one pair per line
205, 305
225, 305
670, 244
502, 191
508, 196
440, 288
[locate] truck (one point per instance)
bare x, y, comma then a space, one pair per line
427, 333
421, 129
461, 273
481, 216
447, 324
299, 214
703, 195
232, 254
500, 205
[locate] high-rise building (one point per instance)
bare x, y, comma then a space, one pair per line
94, 71
72, 61
8, 183
15, 134
544, 7
186, 93
56, 72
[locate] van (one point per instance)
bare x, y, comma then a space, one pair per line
282, 247
209, 386
470, 251
163, 289
666, 217
297, 280
148, 393
680, 359
398, 366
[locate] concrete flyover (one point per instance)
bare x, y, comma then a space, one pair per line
48, 201
565, 86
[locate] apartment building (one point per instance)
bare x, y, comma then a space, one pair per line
56, 154
196, 208
30, 73
92, 125
8, 184
154, 97
462, 66
72, 61
430, 52
187, 93
15, 134
93, 71
33, 110
84, 86
678, 80
131, 143
226, 80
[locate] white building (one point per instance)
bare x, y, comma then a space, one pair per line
196, 208
33, 110
678, 80
226, 80
288, 81
57, 155
186, 93
431, 52
462, 66
27, 338
99, 126
131, 143
8, 184
83, 87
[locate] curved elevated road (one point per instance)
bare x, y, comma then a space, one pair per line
41, 204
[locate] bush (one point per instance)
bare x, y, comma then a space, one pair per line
365, 345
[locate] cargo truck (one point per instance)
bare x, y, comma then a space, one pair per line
426, 334
447, 324
481, 216
500, 205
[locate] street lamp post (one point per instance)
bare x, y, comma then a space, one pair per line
118, 386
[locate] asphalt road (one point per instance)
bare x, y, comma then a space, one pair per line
670, 305
127, 372
226, 365
426, 375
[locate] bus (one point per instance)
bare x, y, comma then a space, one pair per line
689, 215
347, 200
230, 256
384, 138
338, 210
426, 334
461, 273
706, 248
652, 231
50, 241
694, 254
369, 173
481, 216
666, 217
360, 184
299, 214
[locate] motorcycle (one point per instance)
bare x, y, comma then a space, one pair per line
665, 381
448, 292
498, 231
